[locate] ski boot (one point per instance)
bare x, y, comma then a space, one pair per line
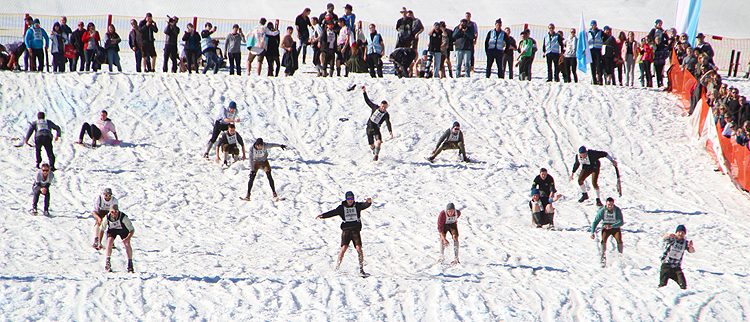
584, 197
465, 159
205, 155
375, 158
362, 273
599, 203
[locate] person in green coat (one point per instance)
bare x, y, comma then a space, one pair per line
611, 218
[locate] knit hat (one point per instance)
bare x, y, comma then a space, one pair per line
348, 6
582, 149
107, 191
258, 141
36, 21
593, 22
349, 194
534, 192
456, 124
658, 21
450, 206
329, 5
606, 28
681, 228
233, 105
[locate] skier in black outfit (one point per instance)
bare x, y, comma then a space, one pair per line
378, 116
588, 160
350, 213
546, 186
43, 138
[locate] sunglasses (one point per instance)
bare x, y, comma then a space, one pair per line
45, 170
108, 195
347, 199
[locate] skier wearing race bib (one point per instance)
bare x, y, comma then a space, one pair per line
588, 160
226, 116
41, 187
43, 138
118, 224
448, 223
259, 160
611, 218
378, 116
675, 246
451, 139
102, 204
228, 144
541, 214
350, 213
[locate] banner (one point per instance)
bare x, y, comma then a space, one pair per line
583, 54
686, 18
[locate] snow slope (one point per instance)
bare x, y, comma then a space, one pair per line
202, 254
718, 17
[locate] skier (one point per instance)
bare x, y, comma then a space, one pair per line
350, 213
41, 187
228, 144
546, 185
588, 160
118, 224
99, 131
451, 139
43, 138
259, 160
671, 261
102, 204
226, 116
378, 116
611, 218
448, 222
541, 214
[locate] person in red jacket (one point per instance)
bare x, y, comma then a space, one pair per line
448, 222
90, 40
646, 58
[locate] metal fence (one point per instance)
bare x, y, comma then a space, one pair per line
12, 29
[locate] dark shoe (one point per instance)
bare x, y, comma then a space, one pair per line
584, 197
599, 203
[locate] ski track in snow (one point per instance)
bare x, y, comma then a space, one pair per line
202, 254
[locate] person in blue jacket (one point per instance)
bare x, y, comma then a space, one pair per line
37, 43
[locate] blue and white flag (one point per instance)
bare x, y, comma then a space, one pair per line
583, 54
686, 18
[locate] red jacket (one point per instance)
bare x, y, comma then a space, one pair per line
441, 220
647, 53
85, 38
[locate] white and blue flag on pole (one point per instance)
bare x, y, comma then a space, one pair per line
686, 18
584, 54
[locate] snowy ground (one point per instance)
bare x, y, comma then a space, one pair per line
202, 254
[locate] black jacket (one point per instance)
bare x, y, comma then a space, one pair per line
173, 34
594, 164
339, 211
147, 32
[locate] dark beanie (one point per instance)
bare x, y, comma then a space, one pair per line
349, 194
450, 206
681, 228
582, 149
456, 124
233, 105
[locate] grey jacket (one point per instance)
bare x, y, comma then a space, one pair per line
233, 44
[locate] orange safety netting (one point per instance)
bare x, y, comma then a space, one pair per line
737, 157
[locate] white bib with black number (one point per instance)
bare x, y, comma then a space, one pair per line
377, 116
259, 155
585, 160
454, 136
106, 205
609, 217
451, 219
115, 224
41, 125
232, 139
677, 249
350, 214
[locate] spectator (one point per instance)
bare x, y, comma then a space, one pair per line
233, 49
58, 49
619, 57
134, 40
661, 53
256, 44
630, 52
494, 45
446, 47
289, 61
314, 37
646, 57
302, 23
356, 62
66, 32
464, 42
416, 29
475, 30
608, 56
349, 17
595, 46
15, 50
511, 47
170, 43
422, 66
404, 28
434, 47
272, 48
77, 42
209, 48
743, 134
569, 57
658, 32
91, 46
690, 60
192, 47
148, 27
403, 59
374, 52
328, 15
703, 47
112, 45
702, 69
327, 44
37, 43
552, 46
27, 61
525, 49
343, 46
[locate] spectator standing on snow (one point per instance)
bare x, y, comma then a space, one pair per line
289, 60
630, 53
661, 53
596, 41
526, 55
58, 49
78, 44
416, 29
256, 44
233, 49
569, 57
552, 47
273, 40
134, 41
91, 40
170, 44
510, 48
608, 56
148, 28
463, 37
404, 28
37, 43
703, 47
112, 45
209, 48
434, 48
302, 24
645, 58
494, 45
192, 48
66, 32
374, 52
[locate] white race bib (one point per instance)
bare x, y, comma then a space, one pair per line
258, 154
676, 251
451, 219
377, 116
42, 125
115, 224
232, 139
609, 218
584, 160
454, 136
350, 214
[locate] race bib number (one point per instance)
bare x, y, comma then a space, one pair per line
350, 214
38, 35
42, 125
676, 251
454, 136
115, 224
450, 219
377, 116
609, 217
232, 139
585, 160
258, 154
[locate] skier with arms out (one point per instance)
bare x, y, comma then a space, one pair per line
448, 223
259, 160
378, 115
43, 138
350, 212
588, 160
675, 246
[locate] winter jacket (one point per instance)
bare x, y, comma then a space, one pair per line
192, 41
36, 38
464, 40
233, 44
76, 39
173, 34
661, 54
647, 53
624, 50
147, 32
112, 41
87, 38
58, 43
